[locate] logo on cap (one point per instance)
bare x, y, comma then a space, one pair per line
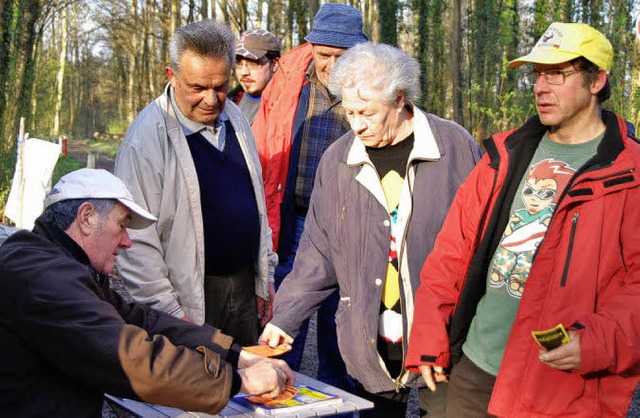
552, 38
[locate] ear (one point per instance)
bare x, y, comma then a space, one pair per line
400, 100
87, 218
275, 63
599, 82
171, 75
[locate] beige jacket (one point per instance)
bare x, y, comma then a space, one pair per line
165, 266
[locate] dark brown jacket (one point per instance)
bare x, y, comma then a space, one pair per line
66, 339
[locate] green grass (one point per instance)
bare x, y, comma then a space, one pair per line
105, 147
63, 166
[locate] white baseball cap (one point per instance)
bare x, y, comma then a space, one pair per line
88, 183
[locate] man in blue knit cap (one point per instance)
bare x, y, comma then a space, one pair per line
297, 120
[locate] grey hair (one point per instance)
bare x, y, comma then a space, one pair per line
384, 69
207, 38
63, 213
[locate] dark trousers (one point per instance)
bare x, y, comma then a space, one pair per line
470, 390
394, 404
331, 367
230, 305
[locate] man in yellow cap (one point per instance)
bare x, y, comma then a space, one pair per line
542, 233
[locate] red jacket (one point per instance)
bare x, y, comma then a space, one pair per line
273, 129
586, 275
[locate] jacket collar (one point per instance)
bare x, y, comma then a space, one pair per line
524, 141
424, 148
63, 241
297, 59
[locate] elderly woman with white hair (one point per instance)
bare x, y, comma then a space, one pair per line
381, 194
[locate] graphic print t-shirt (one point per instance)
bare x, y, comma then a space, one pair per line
391, 164
550, 170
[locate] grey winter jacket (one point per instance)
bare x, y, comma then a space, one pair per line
165, 266
345, 243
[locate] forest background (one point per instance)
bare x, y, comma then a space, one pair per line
84, 68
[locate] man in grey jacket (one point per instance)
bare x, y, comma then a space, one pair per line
380, 196
189, 157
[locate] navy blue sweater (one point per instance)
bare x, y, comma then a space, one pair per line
229, 208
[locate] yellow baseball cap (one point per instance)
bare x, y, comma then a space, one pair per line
564, 42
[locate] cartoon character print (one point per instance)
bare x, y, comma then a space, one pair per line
511, 264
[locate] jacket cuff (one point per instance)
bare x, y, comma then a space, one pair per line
236, 384
176, 311
413, 363
233, 356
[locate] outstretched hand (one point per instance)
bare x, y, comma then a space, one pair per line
433, 375
275, 337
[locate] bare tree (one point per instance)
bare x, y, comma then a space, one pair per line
60, 77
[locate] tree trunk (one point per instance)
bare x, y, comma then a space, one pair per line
62, 60
176, 20
388, 21
204, 9
133, 64
27, 50
456, 61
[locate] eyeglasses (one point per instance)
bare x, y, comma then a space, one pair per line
552, 76
544, 194
251, 65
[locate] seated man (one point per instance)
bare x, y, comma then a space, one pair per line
67, 338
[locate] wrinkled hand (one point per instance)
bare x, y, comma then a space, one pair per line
265, 307
275, 337
266, 377
565, 357
433, 375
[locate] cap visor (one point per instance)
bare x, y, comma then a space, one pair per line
543, 57
140, 218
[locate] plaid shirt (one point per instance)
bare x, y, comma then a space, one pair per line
324, 123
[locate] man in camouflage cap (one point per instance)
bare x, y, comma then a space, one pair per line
257, 56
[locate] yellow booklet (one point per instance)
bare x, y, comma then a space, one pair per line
551, 338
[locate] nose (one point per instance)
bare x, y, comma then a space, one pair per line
357, 124
330, 62
243, 69
210, 98
125, 242
541, 85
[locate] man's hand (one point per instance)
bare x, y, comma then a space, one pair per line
275, 337
266, 377
433, 375
265, 307
565, 357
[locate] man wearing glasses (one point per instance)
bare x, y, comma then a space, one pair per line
541, 233
257, 56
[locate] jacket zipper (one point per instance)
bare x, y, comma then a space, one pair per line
574, 224
398, 380
574, 219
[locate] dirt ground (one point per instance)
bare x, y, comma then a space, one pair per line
81, 150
